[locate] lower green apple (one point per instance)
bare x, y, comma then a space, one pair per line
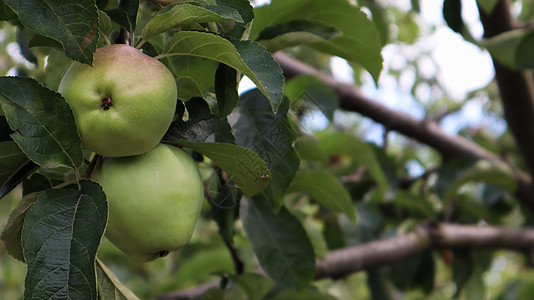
154, 200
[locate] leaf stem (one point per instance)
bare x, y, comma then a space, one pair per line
106, 39
141, 43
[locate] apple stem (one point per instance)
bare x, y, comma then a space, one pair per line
123, 38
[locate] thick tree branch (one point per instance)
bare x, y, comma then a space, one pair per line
516, 87
340, 263
351, 99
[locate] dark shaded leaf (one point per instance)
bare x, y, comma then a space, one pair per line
60, 238
17, 177
6, 13
246, 11
202, 125
12, 232
378, 285
5, 130
279, 242
12, 159
272, 137
452, 13
462, 269
126, 14
43, 123
36, 183
226, 89
72, 23
23, 45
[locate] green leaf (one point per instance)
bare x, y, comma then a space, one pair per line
256, 286
202, 125
43, 123
60, 238
487, 5
12, 159
17, 177
104, 22
243, 166
223, 208
109, 286
416, 205
240, 29
295, 33
36, 183
309, 149
126, 14
414, 272
271, 137
313, 93
12, 232
503, 47
213, 47
279, 242
326, 189
198, 70
5, 131
462, 269
182, 14
265, 68
362, 153
357, 31
6, 13
303, 295
452, 13
231, 293
22, 42
462, 170
73, 24
226, 89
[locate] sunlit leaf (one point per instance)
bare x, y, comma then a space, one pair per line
209, 46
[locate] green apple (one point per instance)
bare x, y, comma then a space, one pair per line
154, 200
123, 104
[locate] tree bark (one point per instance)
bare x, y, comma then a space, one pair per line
429, 235
516, 86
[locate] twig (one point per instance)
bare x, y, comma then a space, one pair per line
351, 99
342, 262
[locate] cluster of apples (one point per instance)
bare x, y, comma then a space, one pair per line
123, 105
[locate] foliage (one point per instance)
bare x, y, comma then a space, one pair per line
281, 194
